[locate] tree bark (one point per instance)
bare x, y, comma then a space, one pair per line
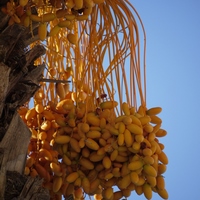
20, 79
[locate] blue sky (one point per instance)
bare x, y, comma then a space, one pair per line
173, 74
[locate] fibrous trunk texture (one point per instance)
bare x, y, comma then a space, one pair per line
19, 80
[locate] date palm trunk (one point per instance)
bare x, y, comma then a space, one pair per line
19, 80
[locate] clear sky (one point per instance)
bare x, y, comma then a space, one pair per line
173, 82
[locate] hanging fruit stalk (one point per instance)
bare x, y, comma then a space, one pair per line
93, 133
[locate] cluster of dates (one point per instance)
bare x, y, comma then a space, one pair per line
79, 151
